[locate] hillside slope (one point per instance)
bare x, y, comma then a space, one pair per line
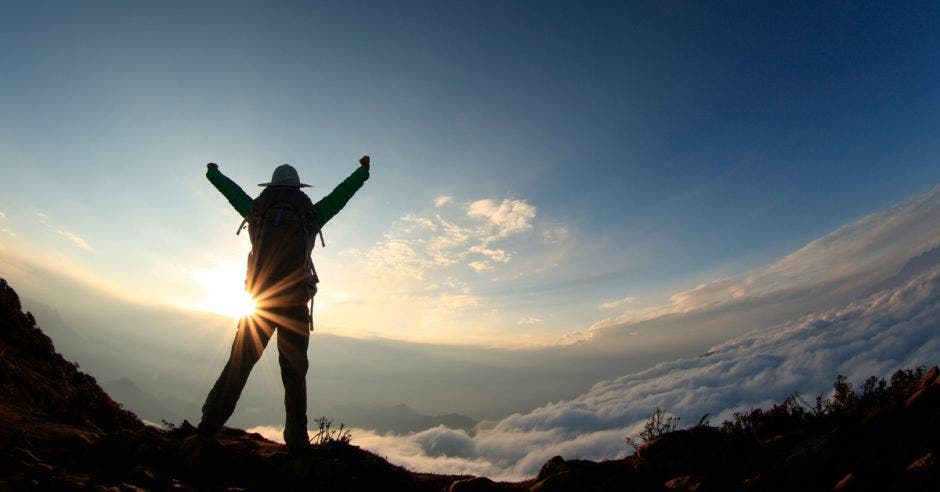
60, 430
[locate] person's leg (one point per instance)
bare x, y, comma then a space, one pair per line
293, 337
253, 335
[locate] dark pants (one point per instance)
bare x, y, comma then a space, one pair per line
293, 336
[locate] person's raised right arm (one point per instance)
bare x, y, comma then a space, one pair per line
331, 204
232, 192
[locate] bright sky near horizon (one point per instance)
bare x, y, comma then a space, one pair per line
537, 167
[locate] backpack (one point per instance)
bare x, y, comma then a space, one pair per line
282, 228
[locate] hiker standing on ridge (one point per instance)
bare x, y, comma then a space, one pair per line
282, 224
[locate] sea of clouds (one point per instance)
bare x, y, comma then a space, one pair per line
886, 331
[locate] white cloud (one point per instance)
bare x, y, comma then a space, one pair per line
71, 236
440, 449
886, 331
79, 241
417, 246
454, 302
613, 303
875, 244
271, 432
395, 257
555, 233
472, 247
529, 320
832, 269
443, 200
509, 216
492, 254
480, 266
6, 230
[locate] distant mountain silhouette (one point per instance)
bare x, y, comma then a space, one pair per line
60, 431
913, 267
400, 419
140, 402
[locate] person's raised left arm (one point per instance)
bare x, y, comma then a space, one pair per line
232, 192
331, 204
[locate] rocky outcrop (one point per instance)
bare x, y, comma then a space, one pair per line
60, 431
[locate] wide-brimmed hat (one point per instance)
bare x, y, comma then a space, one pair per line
285, 175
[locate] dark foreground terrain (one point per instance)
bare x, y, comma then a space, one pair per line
60, 431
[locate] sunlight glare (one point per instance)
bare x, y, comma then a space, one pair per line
223, 290
243, 305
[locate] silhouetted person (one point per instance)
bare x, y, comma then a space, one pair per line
282, 224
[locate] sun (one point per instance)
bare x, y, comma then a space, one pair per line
222, 289
240, 305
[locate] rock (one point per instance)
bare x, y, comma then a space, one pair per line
846, 483
475, 484
697, 451
921, 474
563, 481
200, 452
142, 475
917, 396
923, 463
930, 377
618, 483
128, 487
551, 467
177, 485
687, 483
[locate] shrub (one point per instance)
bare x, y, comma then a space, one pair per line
326, 434
656, 425
846, 402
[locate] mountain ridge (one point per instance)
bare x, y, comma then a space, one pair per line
60, 430
400, 418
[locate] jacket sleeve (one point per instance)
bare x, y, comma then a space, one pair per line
232, 192
331, 204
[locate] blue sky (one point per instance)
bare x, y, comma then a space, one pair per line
636, 149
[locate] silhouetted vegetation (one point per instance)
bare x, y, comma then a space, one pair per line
846, 402
657, 424
879, 435
326, 434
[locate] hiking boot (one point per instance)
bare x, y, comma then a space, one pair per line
295, 449
296, 438
201, 450
204, 429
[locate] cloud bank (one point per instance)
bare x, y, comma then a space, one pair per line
825, 272
886, 331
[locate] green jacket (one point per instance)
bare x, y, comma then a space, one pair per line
324, 209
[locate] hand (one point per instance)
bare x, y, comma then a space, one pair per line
364, 162
212, 165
